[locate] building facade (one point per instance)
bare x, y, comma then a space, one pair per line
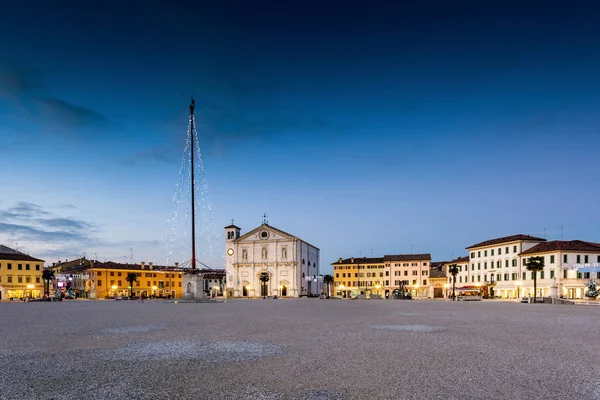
20, 275
495, 266
382, 275
292, 264
568, 267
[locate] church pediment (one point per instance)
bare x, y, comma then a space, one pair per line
265, 233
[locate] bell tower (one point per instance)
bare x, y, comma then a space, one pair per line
232, 232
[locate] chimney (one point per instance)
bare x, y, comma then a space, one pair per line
340, 260
352, 260
150, 265
176, 265
142, 264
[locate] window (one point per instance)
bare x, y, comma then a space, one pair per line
337, 275
551, 274
473, 255
387, 273
514, 249
424, 282
565, 274
99, 274
500, 251
424, 264
119, 273
598, 259
542, 274
513, 276
478, 266
498, 264
118, 283
478, 254
27, 279
551, 259
37, 279
478, 278
585, 259
564, 258
27, 266
485, 253
20, 279
485, 265
9, 279
578, 259
112, 273
506, 263
524, 275
244, 254
37, 267
492, 252
9, 266
472, 267
472, 278
20, 266
99, 282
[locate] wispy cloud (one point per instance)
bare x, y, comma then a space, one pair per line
25, 90
45, 232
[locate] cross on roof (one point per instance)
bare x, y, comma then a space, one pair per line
265, 219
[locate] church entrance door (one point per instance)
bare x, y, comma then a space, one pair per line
283, 291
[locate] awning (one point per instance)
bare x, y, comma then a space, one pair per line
588, 269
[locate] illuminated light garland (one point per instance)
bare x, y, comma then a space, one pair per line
206, 232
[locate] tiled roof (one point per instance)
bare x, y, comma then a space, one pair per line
363, 260
563, 245
459, 260
6, 253
407, 257
232, 226
506, 239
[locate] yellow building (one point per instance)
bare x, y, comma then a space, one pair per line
20, 275
109, 279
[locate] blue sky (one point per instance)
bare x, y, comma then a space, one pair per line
384, 128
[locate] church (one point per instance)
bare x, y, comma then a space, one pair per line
291, 263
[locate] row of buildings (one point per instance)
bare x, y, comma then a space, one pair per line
494, 268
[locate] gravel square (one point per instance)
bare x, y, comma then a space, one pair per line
298, 349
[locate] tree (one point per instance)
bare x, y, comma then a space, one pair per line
131, 278
453, 270
592, 290
535, 264
47, 276
328, 280
264, 278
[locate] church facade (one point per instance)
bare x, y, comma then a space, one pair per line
292, 264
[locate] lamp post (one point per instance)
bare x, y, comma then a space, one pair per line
518, 284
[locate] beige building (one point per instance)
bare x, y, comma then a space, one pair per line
381, 275
20, 275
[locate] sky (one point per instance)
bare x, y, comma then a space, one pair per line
363, 128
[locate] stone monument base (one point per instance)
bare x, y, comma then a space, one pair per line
193, 286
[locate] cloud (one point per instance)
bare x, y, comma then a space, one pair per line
69, 115
44, 232
25, 90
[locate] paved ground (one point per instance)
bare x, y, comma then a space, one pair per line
299, 349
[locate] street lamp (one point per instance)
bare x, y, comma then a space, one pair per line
518, 283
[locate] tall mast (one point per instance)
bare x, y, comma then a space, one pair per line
192, 129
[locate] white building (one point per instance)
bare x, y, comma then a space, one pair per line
568, 265
495, 265
292, 264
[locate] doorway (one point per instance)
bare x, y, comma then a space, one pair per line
283, 291
244, 291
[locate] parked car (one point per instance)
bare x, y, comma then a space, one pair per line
323, 296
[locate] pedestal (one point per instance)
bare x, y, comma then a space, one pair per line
193, 286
